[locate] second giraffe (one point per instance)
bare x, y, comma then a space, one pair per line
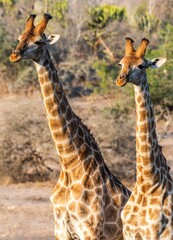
148, 214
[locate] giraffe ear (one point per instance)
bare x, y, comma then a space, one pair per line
157, 62
53, 38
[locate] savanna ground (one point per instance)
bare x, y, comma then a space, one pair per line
25, 209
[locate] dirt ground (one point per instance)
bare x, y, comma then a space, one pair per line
26, 212
25, 209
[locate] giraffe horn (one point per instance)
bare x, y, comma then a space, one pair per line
129, 47
142, 49
40, 28
30, 23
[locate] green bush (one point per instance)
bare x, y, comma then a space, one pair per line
6, 2
145, 21
161, 80
57, 8
102, 15
99, 18
106, 73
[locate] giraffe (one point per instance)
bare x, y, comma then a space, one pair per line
87, 199
148, 214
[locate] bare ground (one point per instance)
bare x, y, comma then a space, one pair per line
25, 209
26, 212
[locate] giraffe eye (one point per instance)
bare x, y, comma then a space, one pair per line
141, 66
38, 42
119, 65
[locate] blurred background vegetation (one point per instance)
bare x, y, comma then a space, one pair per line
92, 42
87, 55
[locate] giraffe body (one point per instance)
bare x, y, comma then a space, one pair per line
148, 214
83, 213
87, 199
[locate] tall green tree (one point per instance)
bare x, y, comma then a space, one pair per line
57, 8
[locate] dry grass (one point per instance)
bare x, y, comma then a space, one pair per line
27, 152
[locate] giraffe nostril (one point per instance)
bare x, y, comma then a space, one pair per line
17, 52
122, 76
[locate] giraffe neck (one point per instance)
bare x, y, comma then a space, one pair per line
73, 140
147, 147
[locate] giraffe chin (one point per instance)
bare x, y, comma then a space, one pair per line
14, 58
120, 82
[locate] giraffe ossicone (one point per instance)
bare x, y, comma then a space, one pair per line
87, 199
148, 214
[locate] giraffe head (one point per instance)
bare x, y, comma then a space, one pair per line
133, 64
33, 41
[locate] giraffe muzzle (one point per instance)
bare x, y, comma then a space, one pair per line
121, 80
15, 56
